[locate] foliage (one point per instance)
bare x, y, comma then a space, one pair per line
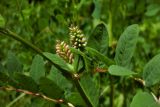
107, 54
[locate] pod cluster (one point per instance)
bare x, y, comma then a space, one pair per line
62, 49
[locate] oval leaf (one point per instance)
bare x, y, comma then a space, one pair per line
99, 39
90, 89
37, 68
151, 72
126, 45
58, 60
144, 99
119, 71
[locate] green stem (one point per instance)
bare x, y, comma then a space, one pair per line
77, 63
110, 29
110, 33
75, 15
110, 24
16, 99
111, 92
65, 73
124, 92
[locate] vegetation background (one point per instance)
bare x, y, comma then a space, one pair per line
42, 22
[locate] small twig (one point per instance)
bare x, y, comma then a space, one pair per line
59, 101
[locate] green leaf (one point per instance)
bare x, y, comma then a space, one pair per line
126, 45
25, 82
56, 76
13, 64
49, 88
37, 68
99, 39
152, 10
59, 61
2, 21
90, 89
85, 58
144, 99
151, 72
76, 99
99, 56
120, 71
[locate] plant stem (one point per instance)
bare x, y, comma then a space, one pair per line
77, 63
24, 92
110, 23
110, 44
65, 73
124, 92
111, 92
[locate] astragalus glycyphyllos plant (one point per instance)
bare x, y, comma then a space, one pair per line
77, 70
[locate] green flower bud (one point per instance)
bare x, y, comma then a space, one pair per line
77, 38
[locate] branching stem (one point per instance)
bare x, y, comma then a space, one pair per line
68, 75
59, 101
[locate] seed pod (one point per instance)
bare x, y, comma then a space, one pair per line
77, 38
62, 49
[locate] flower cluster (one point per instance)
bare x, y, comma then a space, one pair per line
62, 49
77, 38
